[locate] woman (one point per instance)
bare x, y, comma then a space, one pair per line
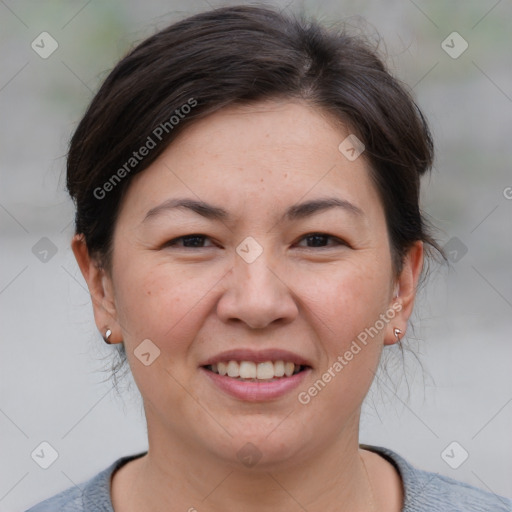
247, 221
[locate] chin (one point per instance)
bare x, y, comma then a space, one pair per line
262, 448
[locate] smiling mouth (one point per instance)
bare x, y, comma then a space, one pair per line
249, 371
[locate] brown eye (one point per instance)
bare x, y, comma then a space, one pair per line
188, 241
319, 240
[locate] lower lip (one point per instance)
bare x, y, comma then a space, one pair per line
256, 391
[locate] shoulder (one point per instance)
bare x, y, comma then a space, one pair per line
426, 491
91, 496
69, 500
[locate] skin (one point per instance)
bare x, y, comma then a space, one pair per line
194, 302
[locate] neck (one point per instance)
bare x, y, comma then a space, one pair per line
190, 478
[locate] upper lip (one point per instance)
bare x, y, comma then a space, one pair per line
256, 356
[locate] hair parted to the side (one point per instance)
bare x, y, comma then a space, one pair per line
236, 55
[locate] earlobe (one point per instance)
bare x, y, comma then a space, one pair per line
99, 284
405, 293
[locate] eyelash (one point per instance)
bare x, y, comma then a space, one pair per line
339, 241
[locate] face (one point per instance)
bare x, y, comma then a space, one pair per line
288, 259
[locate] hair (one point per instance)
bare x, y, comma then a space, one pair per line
241, 55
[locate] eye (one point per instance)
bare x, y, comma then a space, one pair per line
320, 240
314, 240
188, 241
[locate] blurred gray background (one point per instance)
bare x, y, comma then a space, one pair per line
458, 388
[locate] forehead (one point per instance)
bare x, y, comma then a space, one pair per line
266, 129
265, 155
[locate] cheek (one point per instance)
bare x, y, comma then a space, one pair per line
346, 306
347, 298
161, 302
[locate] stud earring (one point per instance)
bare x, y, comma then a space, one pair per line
108, 333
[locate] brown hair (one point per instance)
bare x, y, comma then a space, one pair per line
237, 55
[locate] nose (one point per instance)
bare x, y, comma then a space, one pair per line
256, 295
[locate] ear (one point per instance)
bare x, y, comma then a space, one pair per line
100, 287
402, 301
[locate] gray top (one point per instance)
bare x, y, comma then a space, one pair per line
424, 491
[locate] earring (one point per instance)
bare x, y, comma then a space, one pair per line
108, 333
397, 333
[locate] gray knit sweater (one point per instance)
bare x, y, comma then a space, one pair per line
424, 491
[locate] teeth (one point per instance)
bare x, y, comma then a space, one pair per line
233, 369
222, 368
250, 370
279, 368
247, 369
264, 370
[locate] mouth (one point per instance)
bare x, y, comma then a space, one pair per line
256, 376
251, 371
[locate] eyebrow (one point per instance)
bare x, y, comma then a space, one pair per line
295, 212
